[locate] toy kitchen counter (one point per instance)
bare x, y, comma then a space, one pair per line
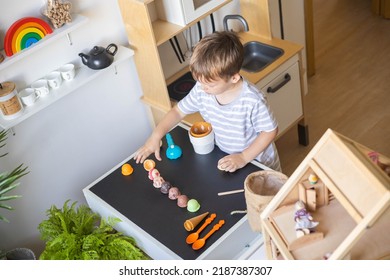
156, 222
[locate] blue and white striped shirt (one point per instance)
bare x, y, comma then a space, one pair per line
237, 124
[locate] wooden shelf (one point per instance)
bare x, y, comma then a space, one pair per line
77, 21
83, 76
163, 30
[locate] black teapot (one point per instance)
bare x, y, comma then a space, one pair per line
99, 57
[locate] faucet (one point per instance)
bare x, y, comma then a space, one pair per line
239, 17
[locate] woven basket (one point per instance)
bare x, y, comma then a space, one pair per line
260, 187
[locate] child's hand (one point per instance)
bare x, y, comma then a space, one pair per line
152, 145
231, 163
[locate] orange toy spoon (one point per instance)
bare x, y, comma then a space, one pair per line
194, 236
200, 242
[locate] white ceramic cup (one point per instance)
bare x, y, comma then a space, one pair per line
203, 145
29, 96
41, 87
67, 71
54, 79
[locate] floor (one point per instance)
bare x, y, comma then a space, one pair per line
350, 92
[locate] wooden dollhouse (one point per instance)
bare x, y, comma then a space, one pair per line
350, 198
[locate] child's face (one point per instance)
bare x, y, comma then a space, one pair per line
217, 87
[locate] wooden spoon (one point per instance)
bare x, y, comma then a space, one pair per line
200, 242
194, 236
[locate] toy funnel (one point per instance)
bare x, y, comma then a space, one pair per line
173, 151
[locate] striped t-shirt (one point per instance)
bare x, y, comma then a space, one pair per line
238, 123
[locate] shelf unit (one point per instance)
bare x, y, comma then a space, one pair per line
77, 22
83, 76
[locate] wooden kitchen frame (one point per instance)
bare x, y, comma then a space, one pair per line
146, 34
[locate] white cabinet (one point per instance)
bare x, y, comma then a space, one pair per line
288, 22
183, 12
283, 91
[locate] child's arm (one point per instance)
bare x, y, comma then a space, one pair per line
233, 162
152, 145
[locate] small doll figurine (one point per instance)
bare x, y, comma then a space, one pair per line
304, 223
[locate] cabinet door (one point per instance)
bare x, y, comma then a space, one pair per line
284, 96
287, 19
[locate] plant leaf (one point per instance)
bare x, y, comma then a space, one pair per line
10, 188
4, 198
6, 206
73, 233
4, 219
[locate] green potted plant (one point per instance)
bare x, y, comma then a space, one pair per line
78, 233
8, 182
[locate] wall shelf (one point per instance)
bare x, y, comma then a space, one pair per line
77, 21
83, 76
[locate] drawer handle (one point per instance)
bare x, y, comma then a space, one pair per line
287, 78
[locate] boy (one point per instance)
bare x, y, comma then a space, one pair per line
243, 124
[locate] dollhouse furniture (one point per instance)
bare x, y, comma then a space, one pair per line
351, 201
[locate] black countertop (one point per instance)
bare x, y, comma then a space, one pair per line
196, 176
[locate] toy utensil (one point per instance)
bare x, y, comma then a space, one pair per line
173, 151
194, 236
200, 242
230, 192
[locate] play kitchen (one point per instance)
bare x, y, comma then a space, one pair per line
278, 74
176, 208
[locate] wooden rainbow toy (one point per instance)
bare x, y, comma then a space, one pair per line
23, 33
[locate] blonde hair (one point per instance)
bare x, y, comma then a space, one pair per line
218, 55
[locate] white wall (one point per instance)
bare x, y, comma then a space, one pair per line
75, 140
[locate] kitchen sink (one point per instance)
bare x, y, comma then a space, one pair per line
258, 55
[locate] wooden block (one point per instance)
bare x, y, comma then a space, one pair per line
302, 192
311, 203
308, 195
